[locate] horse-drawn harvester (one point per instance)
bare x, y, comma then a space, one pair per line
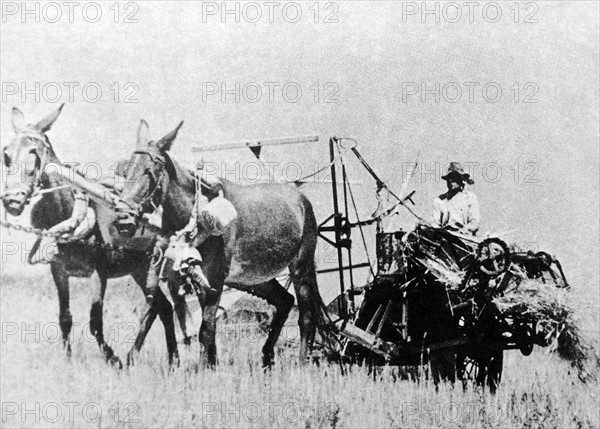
434, 295
432, 290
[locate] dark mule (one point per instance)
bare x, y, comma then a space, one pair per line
29, 154
275, 229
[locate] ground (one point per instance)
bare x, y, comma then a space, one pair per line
41, 388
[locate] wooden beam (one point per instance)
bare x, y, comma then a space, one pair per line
384, 318
374, 319
96, 191
389, 351
255, 143
365, 339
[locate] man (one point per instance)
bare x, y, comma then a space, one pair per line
208, 218
458, 209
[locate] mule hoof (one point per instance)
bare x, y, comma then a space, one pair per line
210, 365
174, 361
130, 360
315, 360
68, 350
115, 362
268, 362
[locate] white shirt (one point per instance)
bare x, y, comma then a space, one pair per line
460, 212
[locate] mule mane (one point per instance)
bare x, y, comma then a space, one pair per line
51, 158
179, 197
177, 172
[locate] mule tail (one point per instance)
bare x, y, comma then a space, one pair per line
303, 274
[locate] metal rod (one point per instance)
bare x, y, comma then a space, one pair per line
381, 184
349, 248
255, 143
337, 224
331, 270
367, 167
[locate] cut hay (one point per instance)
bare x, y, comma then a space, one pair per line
547, 306
448, 274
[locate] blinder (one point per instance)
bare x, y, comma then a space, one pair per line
33, 182
130, 214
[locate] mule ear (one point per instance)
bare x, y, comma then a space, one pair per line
164, 144
143, 135
45, 124
18, 120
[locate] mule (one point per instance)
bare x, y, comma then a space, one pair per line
31, 152
276, 228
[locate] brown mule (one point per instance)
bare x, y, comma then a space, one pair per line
29, 153
275, 229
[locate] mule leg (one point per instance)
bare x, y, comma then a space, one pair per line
213, 265
283, 301
61, 280
303, 274
304, 277
161, 306
165, 312
210, 305
181, 312
99, 282
145, 324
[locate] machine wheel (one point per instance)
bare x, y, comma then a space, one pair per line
484, 370
492, 257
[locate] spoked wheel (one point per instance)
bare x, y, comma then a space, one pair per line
492, 257
483, 370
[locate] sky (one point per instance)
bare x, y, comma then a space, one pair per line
510, 91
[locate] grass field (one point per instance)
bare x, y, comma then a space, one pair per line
41, 388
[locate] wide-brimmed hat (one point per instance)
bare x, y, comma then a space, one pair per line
456, 169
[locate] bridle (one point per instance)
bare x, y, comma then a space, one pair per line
137, 210
35, 186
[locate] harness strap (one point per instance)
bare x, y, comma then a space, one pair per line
47, 191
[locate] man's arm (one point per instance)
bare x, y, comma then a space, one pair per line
438, 213
191, 225
474, 215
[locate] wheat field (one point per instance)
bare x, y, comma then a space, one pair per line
408, 85
40, 387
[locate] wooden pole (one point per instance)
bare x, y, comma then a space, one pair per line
255, 143
95, 190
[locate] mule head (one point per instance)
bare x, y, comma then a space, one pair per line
146, 178
25, 159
